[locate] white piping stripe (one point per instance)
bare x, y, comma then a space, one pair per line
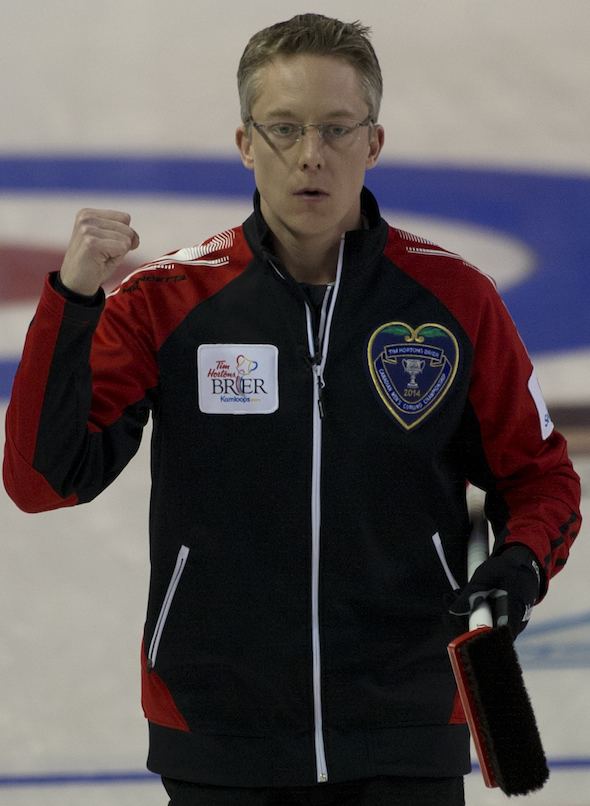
166, 604
188, 256
444, 253
443, 560
166, 266
326, 338
309, 327
167, 262
408, 236
316, 509
224, 240
320, 752
323, 314
439, 252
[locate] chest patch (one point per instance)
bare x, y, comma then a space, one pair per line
412, 368
238, 378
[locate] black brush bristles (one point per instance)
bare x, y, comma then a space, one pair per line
504, 712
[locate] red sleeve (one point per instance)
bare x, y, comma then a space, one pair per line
527, 456
533, 491
26, 485
73, 421
89, 377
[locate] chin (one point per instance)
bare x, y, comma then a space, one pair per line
318, 225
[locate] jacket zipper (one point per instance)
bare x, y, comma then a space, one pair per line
318, 359
166, 604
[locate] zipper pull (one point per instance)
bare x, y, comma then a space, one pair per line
321, 384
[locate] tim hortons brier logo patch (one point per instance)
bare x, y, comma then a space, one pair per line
412, 368
238, 378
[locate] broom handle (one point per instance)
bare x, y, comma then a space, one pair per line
478, 550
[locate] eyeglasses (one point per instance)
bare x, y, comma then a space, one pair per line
283, 135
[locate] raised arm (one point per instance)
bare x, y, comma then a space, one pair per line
77, 411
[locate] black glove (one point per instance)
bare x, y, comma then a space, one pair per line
510, 582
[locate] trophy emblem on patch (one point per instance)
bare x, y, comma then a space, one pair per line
413, 366
428, 354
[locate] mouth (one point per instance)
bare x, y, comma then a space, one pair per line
311, 193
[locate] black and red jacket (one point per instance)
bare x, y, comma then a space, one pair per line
308, 501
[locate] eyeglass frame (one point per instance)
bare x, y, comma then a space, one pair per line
261, 128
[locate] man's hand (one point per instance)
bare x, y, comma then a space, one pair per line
100, 241
510, 582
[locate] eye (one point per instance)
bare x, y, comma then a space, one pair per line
284, 129
334, 131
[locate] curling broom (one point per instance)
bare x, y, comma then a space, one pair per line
492, 691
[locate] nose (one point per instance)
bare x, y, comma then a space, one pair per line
311, 152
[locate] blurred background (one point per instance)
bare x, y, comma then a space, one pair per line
132, 105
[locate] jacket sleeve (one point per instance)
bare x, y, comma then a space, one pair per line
533, 493
81, 396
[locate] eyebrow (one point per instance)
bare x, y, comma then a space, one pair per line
289, 114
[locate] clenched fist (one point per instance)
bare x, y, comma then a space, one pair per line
100, 241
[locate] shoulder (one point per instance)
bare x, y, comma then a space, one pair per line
224, 250
157, 296
446, 274
468, 293
217, 250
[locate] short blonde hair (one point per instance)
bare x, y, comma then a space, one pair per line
314, 34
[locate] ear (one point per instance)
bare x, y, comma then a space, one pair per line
244, 144
376, 140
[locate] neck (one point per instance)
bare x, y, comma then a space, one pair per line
308, 261
308, 258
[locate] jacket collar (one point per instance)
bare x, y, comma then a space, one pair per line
364, 244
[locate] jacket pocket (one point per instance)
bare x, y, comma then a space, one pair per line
166, 605
437, 542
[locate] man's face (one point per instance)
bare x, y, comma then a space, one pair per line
310, 188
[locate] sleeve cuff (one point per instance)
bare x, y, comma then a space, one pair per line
72, 296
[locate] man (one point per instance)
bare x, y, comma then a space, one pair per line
322, 388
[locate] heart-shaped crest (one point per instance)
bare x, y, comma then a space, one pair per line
412, 368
